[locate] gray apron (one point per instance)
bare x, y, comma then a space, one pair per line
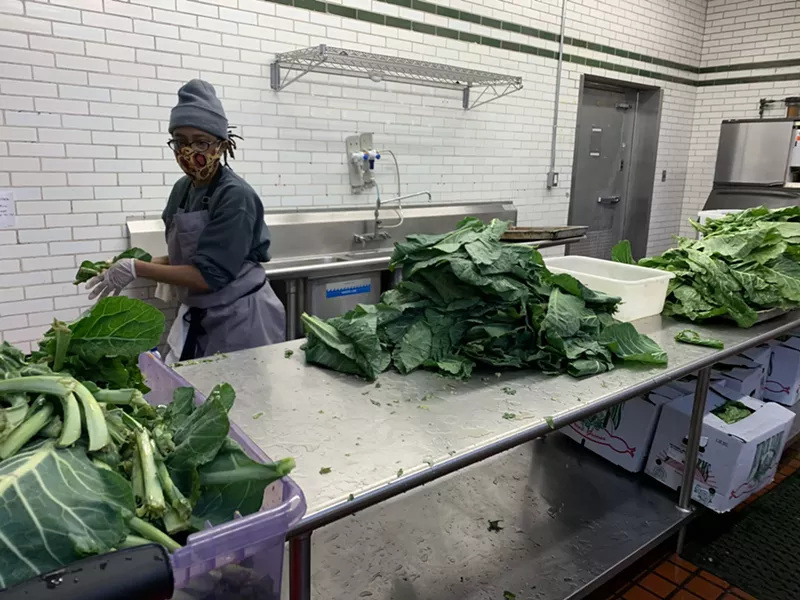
246, 313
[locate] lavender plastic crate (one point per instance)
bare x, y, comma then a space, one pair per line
242, 558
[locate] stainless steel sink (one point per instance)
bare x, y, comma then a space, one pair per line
366, 254
305, 261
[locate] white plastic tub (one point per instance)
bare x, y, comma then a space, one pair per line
643, 291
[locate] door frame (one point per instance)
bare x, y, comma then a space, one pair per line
640, 179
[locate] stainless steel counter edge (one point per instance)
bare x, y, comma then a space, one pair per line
408, 482
346, 264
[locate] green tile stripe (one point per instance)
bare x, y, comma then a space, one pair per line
380, 19
753, 79
771, 64
469, 17
579, 43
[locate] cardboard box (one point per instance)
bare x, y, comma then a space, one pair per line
623, 433
741, 374
761, 354
783, 376
735, 460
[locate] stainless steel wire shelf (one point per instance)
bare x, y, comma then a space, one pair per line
291, 66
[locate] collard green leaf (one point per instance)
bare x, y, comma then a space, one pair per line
63, 508
563, 316
688, 336
89, 269
117, 326
199, 436
181, 407
232, 483
414, 348
622, 253
630, 345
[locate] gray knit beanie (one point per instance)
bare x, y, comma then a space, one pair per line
199, 107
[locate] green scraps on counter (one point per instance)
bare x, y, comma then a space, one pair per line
689, 336
466, 300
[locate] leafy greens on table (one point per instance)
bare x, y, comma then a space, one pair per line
467, 299
746, 262
89, 269
87, 468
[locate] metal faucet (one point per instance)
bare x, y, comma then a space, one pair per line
378, 233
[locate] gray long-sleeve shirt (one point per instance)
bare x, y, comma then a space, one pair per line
235, 233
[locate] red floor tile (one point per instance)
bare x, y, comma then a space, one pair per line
685, 595
673, 572
637, 593
705, 589
657, 584
683, 563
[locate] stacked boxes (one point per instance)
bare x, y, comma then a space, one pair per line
742, 375
783, 375
622, 434
735, 460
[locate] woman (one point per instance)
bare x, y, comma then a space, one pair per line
216, 239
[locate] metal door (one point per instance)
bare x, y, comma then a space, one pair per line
600, 168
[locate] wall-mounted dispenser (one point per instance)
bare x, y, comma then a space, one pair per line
361, 157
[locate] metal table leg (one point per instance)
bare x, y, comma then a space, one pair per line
291, 309
300, 567
693, 446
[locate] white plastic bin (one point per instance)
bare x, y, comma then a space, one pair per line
643, 291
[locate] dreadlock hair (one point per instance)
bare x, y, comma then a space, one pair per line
230, 145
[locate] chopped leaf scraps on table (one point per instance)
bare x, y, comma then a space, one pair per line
689, 336
324, 470
494, 526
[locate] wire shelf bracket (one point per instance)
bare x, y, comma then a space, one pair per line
477, 87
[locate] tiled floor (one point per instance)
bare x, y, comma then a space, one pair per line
663, 575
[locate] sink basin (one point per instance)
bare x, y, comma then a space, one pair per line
365, 254
305, 261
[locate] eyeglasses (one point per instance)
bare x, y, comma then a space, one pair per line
197, 145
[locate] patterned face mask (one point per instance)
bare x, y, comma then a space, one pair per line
200, 166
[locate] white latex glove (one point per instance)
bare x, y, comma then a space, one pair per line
112, 281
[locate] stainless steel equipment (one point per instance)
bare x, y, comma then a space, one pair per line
758, 163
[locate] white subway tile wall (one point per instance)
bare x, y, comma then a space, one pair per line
739, 33
86, 87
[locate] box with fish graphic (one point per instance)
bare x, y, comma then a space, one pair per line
622, 433
783, 375
761, 354
741, 442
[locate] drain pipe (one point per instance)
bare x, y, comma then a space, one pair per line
552, 176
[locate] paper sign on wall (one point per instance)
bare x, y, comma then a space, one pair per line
6, 209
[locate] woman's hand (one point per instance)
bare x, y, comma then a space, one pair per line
113, 280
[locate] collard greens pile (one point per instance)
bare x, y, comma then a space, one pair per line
746, 262
467, 299
86, 467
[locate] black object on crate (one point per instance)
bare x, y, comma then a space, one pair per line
140, 573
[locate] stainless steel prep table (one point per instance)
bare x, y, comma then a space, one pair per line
385, 438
